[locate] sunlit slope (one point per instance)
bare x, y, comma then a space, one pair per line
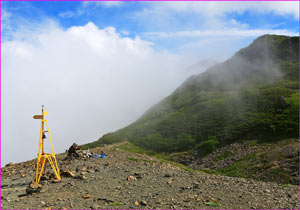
253, 95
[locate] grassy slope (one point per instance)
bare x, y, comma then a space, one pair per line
253, 95
277, 162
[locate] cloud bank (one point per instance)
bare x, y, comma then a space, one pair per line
91, 81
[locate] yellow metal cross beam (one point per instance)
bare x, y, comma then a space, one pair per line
43, 157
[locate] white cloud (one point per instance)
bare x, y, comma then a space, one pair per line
17, 27
5, 22
238, 24
232, 32
91, 81
221, 8
125, 33
103, 3
68, 14
83, 8
5, 14
281, 8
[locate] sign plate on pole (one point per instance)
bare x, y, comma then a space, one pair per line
38, 116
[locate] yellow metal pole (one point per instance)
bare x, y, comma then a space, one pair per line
39, 152
40, 174
42, 156
53, 153
58, 174
43, 152
37, 170
50, 137
53, 167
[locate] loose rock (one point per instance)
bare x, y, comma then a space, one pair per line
86, 196
143, 203
67, 173
9, 164
130, 178
34, 187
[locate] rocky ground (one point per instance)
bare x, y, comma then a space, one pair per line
125, 180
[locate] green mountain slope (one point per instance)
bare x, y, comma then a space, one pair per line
253, 95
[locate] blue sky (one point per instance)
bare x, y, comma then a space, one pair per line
160, 22
98, 66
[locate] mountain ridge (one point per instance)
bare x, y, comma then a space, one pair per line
251, 95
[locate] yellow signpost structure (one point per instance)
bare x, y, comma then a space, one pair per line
42, 156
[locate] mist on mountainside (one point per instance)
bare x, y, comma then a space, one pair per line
253, 95
201, 66
249, 66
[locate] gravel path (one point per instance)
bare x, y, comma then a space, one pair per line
124, 180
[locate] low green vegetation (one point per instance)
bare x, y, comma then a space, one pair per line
284, 186
133, 159
209, 145
213, 203
129, 147
223, 156
116, 204
240, 168
137, 160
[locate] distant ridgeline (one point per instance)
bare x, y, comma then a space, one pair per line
253, 95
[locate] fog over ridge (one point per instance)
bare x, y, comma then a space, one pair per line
92, 81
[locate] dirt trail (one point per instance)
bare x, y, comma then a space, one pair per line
124, 180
